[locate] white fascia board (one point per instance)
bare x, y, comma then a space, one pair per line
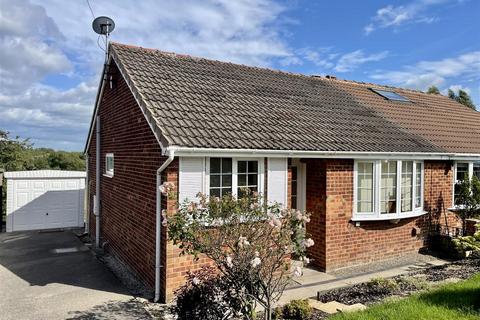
208, 152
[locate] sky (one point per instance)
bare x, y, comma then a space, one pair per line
50, 60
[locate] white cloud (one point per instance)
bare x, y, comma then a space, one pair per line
39, 38
28, 50
245, 31
350, 61
426, 73
327, 59
395, 16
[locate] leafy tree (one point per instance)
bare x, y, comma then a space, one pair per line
468, 200
462, 97
14, 152
433, 90
248, 241
66, 160
17, 154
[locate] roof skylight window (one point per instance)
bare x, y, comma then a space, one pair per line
390, 95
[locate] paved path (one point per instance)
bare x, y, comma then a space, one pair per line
313, 281
53, 276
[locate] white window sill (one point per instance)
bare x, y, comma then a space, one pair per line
108, 175
388, 217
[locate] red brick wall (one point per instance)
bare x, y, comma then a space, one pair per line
438, 195
338, 243
316, 205
128, 198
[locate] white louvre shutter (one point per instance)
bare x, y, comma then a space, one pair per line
277, 180
191, 179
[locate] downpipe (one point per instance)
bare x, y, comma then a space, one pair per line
97, 185
158, 234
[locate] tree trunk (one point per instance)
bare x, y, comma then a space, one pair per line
268, 312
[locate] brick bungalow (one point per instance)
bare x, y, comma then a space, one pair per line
375, 165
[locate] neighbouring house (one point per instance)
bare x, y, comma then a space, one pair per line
375, 165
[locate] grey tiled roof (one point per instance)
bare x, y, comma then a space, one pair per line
210, 104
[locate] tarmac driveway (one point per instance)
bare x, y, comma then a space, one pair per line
54, 276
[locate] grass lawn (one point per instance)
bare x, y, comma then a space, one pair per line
459, 301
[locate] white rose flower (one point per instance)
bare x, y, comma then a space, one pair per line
229, 262
256, 262
297, 272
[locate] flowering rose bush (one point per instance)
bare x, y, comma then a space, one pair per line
249, 241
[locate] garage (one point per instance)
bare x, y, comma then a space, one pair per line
45, 199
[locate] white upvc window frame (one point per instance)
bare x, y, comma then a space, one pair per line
375, 214
261, 174
455, 181
109, 172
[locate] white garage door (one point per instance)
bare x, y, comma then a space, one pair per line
44, 199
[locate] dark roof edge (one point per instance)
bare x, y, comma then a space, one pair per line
142, 103
156, 130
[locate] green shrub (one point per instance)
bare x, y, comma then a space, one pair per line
387, 284
205, 296
297, 310
468, 243
413, 282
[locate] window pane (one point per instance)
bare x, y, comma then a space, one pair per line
462, 171
215, 165
220, 176
252, 166
293, 193
252, 179
242, 179
476, 169
226, 191
226, 165
407, 186
388, 187
418, 185
214, 192
365, 187
214, 181
462, 174
242, 166
226, 181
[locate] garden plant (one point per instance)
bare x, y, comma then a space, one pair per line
249, 242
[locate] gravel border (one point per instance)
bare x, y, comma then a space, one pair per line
372, 292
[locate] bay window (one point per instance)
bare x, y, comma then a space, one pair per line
232, 176
388, 189
464, 170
